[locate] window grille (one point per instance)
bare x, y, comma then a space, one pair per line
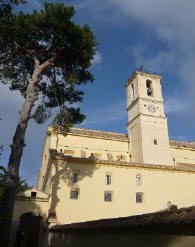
75, 178
139, 197
107, 197
74, 194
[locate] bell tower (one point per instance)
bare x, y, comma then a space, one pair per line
147, 124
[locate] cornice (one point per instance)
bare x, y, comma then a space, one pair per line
144, 99
143, 74
94, 161
100, 137
124, 138
143, 114
23, 198
95, 134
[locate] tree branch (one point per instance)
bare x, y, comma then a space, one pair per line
37, 63
30, 52
39, 68
49, 62
3, 168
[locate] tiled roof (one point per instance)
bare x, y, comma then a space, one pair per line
111, 135
182, 144
99, 133
119, 136
183, 216
95, 133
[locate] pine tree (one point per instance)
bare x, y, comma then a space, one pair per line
7, 5
45, 56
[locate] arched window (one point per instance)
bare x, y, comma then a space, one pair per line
149, 88
138, 180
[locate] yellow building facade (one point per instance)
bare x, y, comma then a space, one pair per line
90, 174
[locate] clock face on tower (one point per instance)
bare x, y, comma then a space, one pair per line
151, 108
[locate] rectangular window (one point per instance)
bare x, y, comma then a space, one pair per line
74, 194
132, 91
155, 142
75, 178
33, 194
139, 197
108, 179
107, 197
138, 181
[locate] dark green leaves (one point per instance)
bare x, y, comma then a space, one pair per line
41, 114
6, 6
21, 185
45, 35
67, 117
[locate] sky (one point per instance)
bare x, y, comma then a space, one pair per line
158, 34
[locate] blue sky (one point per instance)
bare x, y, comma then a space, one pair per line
158, 34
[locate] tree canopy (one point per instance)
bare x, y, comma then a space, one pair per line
21, 184
49, 35
7, 5
45, 56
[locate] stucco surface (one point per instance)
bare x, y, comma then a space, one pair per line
116, 154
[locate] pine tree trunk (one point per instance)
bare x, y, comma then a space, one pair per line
14, 163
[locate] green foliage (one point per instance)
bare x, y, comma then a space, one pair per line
43, 35
67, 117
173, 208
21, 185
41, 114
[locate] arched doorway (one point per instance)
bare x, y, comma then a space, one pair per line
29, 231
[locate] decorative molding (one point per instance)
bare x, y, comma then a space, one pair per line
60, 157
144, 99
96, 134
143, 74
25, 198
143, 114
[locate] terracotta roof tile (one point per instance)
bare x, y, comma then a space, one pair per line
111, 135
175, 217
182, 144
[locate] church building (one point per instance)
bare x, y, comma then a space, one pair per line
90, 174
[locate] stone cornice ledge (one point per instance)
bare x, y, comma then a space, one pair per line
25, 198
60, 156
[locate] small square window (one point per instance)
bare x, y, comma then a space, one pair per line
139, 197
74, 194
155, 142
108, 179
75, 178
107, 197
33, 194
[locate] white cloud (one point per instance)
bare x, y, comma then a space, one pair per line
171, 21
97, 59
163, 61
174, 105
